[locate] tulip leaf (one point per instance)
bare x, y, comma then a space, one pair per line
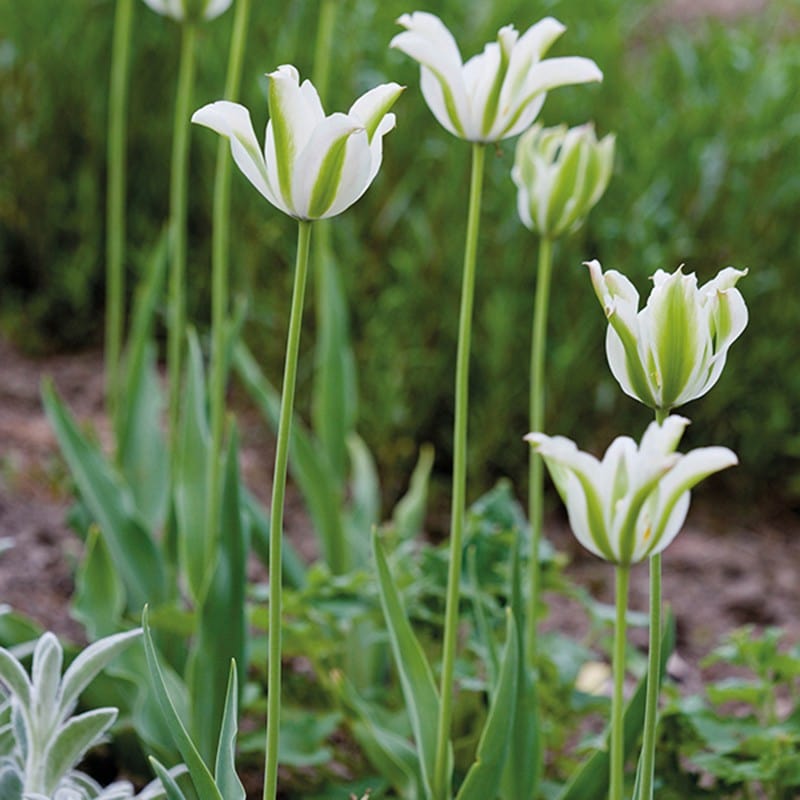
225, 767
171, 788
416, 678
484, 775
409, 512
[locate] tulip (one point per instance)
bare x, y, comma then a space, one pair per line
632, 504
674, 349
497, 93
312, 166
560, 175
189, 9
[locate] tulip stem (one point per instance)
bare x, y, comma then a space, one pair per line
617, 769
115, 203
441, 777
648, 755
276, 512
178, 215
536, 412
220, 277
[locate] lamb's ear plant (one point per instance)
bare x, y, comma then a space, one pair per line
41, 739
669, 353
495, 95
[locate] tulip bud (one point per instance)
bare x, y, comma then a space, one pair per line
633, 503
674, 349
560, 175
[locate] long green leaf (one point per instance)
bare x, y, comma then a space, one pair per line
201, 777
591, 781
307, 464
409, 512
171, 788
134, 552
483, 779
191, 479
365, 500
225, 766
416, 678
222, 623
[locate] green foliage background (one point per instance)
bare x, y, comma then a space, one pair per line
707, 117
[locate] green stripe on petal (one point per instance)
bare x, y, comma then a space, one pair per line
329, 176
285, 140
493, 98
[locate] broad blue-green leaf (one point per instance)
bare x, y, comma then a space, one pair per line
483, 779
416, 678
134, 552
99, 599
171, 788
191, 480
225, 767
591, 781
15, 678
307, 464
222, 624
201, 777
72, 741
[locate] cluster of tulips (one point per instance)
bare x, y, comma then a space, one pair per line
625, 508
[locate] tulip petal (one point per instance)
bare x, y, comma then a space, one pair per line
371, 108
214, 8
320, 168
530, 48
169, 8
233, 121
429, 42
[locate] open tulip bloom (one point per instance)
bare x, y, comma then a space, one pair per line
497, 93
560, 175
189, 9
312, 166
632, 504
674, 349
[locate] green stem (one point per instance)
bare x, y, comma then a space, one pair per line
115, 203
178, 214
220, 276
616, 785
648, 755
324, 44
276, 512
441, 778
536, 418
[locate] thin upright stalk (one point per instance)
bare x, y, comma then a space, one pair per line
617, 767
220, 273
648, 755
441, 779
276, 512
115, 202
178, 214
536, 418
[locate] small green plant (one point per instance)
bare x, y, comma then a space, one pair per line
41, 740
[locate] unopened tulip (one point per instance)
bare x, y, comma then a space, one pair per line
189, 9
633, 503
674, 349
560, 175
497, 93
312, 166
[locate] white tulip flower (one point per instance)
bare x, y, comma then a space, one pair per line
674, 349
312, 166
189, 9
560, 175
633, 503
497, 93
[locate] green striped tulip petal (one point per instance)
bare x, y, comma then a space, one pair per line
631, 504
313, 166
497, 93
674, 349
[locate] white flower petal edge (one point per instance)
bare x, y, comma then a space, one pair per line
497, 93
313, 166
177, 9
631, 504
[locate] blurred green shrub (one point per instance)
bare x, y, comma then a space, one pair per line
708, 174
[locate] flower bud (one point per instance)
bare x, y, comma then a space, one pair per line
560, 175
